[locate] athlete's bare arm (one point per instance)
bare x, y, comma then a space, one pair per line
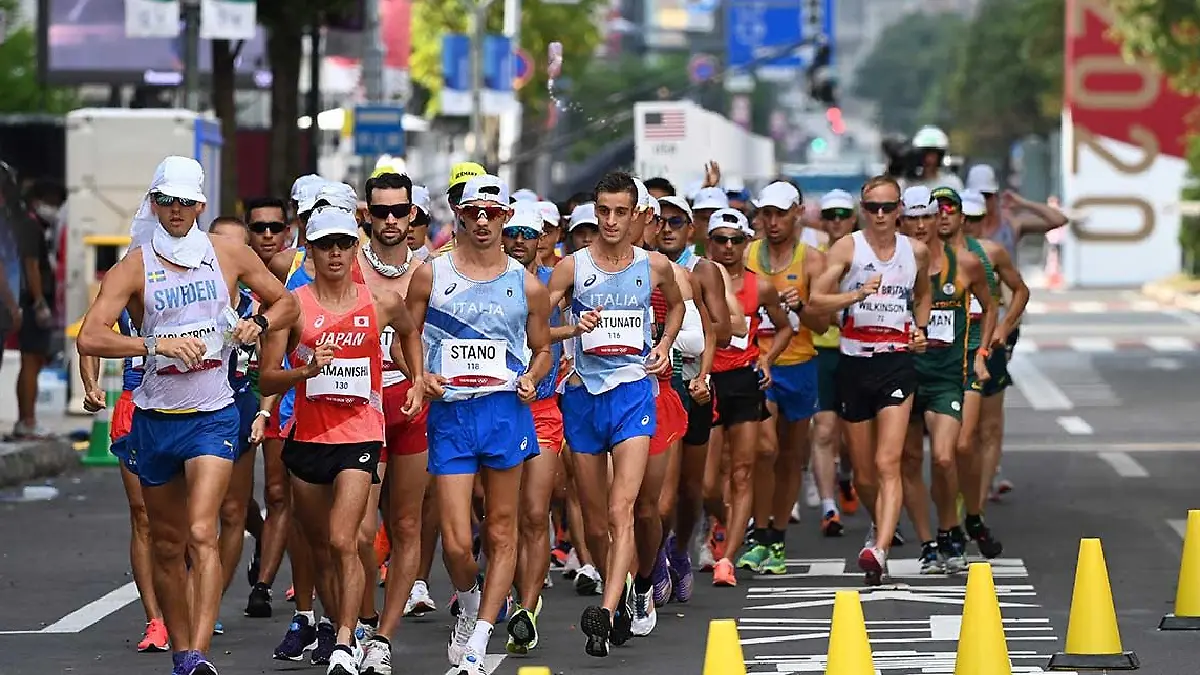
922, 293
769, 299
664, 279
814, 266
972, 269
281, 263
281, 307
273, 378
738, 326
408, 335
824, 297
706, 323
537, 329
712, 287
561, 281
1010, 276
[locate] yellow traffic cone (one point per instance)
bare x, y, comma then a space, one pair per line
723, 656
981, 646
98, 443
849, 646
1093, 640
533, 670
1187, 593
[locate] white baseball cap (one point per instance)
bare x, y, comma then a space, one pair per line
710, 198
919, 201
643, 195
526, 214
584, 214
304, 191
727, 217
331, 222
679, 203
780, 194
337, 195
525, 195
973, 203
421, 200
550, 213
180, 177
486, 188
655, 206
982, 178
837, 199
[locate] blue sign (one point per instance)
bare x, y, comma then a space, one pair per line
456, 62
379, 130
701, 68
756, 29
499, 63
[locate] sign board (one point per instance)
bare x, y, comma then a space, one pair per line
701, 68
379, 130
1123, 162
770, 33
499, 74
522, 68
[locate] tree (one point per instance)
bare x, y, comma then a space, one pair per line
19, 77
1008, 79
224, 103
1165, 31
541, 23
912, 58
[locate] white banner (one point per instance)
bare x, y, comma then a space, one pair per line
152, 18
228, 20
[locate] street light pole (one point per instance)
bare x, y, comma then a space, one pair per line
191, 54
478, 30
372, 67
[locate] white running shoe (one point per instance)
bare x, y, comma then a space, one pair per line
572, 565
377, 658
707, 561
419, 601
472, 663
812, 498
645, 616
456, 648
587, 581
342, 662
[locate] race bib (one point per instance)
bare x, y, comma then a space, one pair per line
766, 327
976, 309
342, 381
385, 344
475, 363
743, 341
214, 343
620, 332
881, 312
941, 326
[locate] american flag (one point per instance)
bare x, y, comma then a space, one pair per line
669, 125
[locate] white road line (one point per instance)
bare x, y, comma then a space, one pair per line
1147, 306
1095, 446
1092, 344
1180, 527
1190, 318
1074, 425
1088, 307
1038, 389
1165, 364
1026, 346
93, 612
1171, 344
1125, 465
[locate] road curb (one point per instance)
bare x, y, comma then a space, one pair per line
1170, 294
22, 461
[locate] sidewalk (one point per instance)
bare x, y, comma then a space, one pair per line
1178, 291
23, 461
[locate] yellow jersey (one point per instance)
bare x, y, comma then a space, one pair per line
830, 339
800, 349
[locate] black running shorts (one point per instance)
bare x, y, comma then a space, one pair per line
868, 384
738, 397
320, 463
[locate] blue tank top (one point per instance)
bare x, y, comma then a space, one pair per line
239, 361
474, 331
296, 278
545, 388
615, 352
131, 377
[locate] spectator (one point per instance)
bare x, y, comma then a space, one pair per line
36, 338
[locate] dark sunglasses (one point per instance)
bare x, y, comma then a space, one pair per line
341, 241
836, 214
382, 211
168, 200
876, 207
488, 212
974, 219
261, 226
722, 240
947, 206
676, 222
526, 233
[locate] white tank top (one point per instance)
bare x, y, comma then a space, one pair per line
189, 303
882, 322
811, 236
690, 341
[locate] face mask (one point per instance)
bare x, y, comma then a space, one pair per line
47, 212
186, 251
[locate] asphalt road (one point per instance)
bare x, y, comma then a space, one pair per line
1100, 444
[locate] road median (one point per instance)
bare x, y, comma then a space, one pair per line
22, 461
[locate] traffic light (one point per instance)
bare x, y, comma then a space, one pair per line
818, 145
822, 86
836, 124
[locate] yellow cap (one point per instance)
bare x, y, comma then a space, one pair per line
464, 171
387, 168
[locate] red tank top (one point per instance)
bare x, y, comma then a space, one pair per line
344, 403
742, 351
658, 302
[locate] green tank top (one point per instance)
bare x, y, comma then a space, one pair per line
946, 355
974, 318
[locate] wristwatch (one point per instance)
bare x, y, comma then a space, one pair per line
265, 414
151, 343
261, 321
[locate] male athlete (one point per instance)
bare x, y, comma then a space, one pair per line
608, 400
178, 288
487, 331
879, 280
337, 433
